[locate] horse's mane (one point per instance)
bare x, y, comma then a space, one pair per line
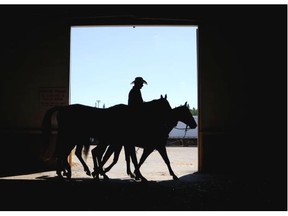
148, 106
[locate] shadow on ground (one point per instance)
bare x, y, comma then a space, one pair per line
196, 191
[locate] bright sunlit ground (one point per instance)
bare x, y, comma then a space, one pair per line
183, 160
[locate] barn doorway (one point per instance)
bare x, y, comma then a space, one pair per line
105, 60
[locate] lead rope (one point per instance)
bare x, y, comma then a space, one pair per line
186, 129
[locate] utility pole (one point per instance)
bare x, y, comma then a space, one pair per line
98, 101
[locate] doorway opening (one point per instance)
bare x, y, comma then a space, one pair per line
104, 60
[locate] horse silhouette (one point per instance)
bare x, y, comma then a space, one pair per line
78, 123
147, 121
153, 138
181, 113
68, 135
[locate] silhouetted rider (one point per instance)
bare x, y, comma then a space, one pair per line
135, 99
135, 102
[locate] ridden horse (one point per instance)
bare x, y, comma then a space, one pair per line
155, 139
147, 118
78, 123
150, 118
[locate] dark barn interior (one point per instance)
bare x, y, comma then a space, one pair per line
242, 85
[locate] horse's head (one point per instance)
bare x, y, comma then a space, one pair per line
183, 114
157, 111
159, 106
164, 103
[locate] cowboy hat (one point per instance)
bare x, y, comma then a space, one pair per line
139, 80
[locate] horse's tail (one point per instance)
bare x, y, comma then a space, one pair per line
47, 127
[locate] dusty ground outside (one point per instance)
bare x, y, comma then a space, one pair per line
183, 160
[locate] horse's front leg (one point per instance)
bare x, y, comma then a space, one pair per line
162, 150
116, 150
145, 154
111, 149
78, 153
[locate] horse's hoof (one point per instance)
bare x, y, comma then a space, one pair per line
102, 172
94, 174
67, 174
175, 178
143, 179
88, 173
96, 178
132, 175
140, 178
137, 178
106, 177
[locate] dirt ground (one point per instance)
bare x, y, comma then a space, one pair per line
183, 160
193, 191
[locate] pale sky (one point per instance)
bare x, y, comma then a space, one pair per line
105, 60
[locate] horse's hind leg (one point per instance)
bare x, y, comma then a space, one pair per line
127, 158
145, 154
78, 153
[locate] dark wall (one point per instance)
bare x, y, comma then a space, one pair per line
242, 76
244, 88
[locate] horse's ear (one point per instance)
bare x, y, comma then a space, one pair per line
161, 96
185, 103
165, 96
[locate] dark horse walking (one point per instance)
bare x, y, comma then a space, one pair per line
152, 138
78, 123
